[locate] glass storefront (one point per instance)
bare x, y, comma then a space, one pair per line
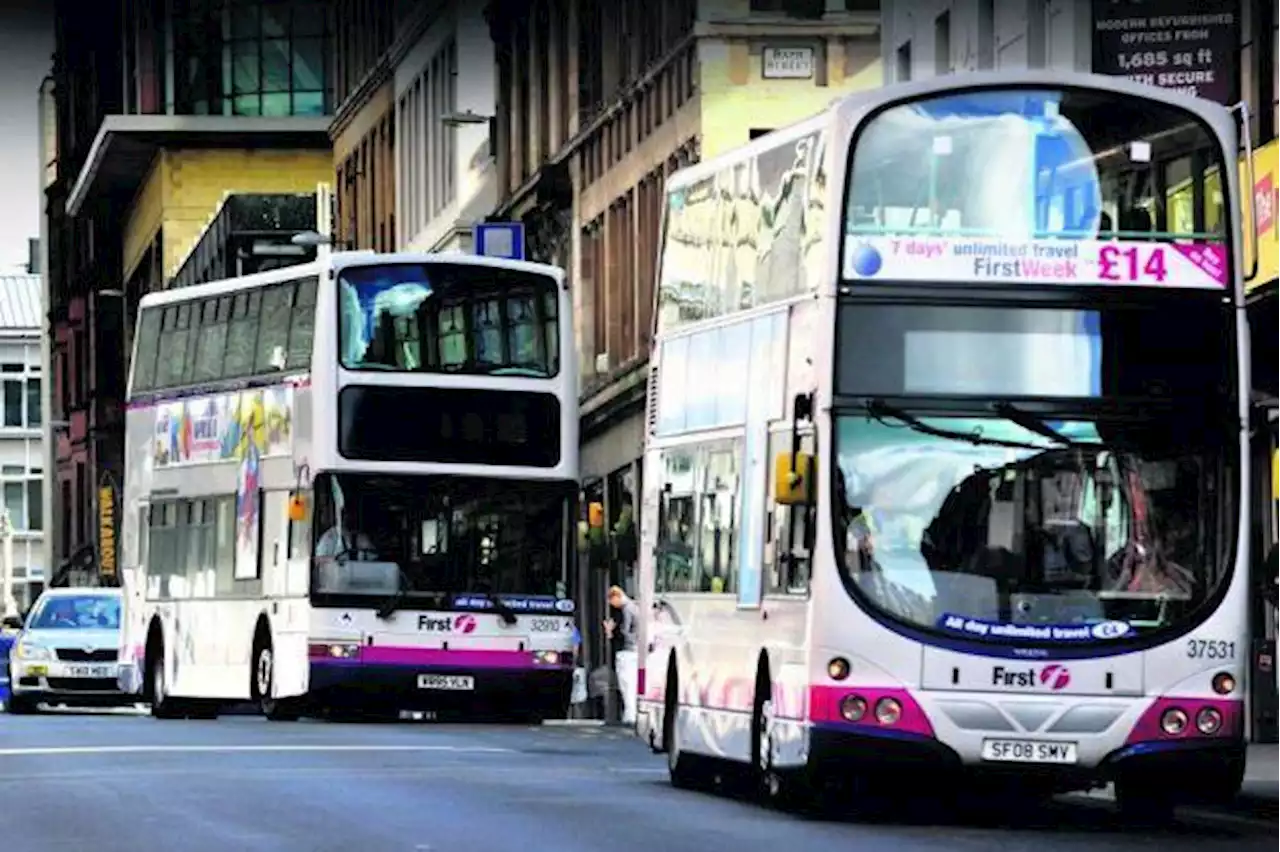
230, 57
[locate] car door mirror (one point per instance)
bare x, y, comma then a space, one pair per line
1269, 577
11, 622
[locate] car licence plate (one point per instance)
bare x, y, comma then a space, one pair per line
91, 671
454, 683
1028, 751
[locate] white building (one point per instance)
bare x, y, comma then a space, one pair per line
22, 432
924, 38
445, 177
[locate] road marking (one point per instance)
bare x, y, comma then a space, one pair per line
220, 749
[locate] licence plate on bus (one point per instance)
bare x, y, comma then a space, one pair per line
454, 683
1028, 751
91, 671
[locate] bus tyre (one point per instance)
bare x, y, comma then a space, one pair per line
782, 788
163, 706
276, 710
681, 766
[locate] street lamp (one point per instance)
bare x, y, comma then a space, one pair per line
315, 239
457, 119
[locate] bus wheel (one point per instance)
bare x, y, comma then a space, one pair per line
163, 706
275, 709
785, 788
681, 766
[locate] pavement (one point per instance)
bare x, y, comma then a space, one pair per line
123, 781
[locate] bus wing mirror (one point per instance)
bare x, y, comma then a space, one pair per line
1270, 580
793, 479
297, 508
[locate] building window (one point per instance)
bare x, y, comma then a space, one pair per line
22, 408
63, 514
791, 8
252, 58
903, 62
24, 498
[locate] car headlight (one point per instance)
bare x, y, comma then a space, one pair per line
31, 651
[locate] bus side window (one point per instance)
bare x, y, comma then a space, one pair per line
677, 530
787, 560
300, 530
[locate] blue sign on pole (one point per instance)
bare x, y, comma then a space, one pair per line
500, 239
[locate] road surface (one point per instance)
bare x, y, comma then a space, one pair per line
120, 782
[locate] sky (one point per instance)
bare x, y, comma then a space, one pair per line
26, 57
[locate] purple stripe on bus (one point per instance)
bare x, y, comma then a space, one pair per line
471, 659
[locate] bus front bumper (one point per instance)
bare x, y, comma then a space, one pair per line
543, 690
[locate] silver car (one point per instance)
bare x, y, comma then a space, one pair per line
66, 651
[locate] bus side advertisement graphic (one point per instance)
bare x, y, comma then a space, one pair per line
980, 260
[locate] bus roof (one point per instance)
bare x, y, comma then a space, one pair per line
845, 107
336, 261
1027, 78
700, 171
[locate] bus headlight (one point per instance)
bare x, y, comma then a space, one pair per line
333, 650
1224, 683
1208, 721
853, 708
888, 711
31, 651
1174, 721
549, 658
838, 668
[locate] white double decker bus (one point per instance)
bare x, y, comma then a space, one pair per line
350, 486
945, 469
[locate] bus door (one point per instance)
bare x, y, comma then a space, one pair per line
1264, 700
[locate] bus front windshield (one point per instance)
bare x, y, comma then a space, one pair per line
440, 317
1035, 474
425, 535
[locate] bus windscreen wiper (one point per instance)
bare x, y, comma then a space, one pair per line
1032, 423
879, 409
506, 613
393, 603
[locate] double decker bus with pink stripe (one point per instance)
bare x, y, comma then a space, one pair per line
945, 452
351, 488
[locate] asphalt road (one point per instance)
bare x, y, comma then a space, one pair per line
116, 782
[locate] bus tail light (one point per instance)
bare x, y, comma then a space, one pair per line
1174, 721
1208, 721
853, 708
333, 650
888, 711
838, 668
1224, 683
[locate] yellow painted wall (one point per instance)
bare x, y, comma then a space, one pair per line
1265, 196
736, 98
185, 187
145, 216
